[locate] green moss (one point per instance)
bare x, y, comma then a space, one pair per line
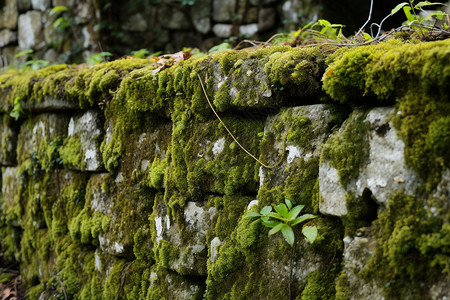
386, 70
70, 153
347, 149
413, 248
320, 285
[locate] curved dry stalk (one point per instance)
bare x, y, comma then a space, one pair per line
232, 136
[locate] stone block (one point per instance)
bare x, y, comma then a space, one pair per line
222, 30
266, 18
201, 15
9, 14
10, 187
7, 37
81, 149
189, 244
48, 104
174, 286
8, 136
292, 144
41, 5
379, 166
206, 159
172, 18
30, 30
223, 10
23, 5
39, 133
248, 30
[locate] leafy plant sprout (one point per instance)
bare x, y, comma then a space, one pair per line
284, 218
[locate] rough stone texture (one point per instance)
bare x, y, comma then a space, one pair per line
10, 177
41, 5
222, 30
223, 10
357, 252
8, 136
39, 132
197, 218
9, 14
100, 199
49, 104
383, 173
88, 128
266, 19
248, 30
172, 18
176, 286
30, 30
201, 15
7, 37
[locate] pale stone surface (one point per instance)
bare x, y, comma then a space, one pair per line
201, 16
9, 14
333, 200
248, 30
222, 30
223, 10
30, 30
41, 5
49, 103
8, 138
88, 127
100, 200
193, 253
7, 37
214, 249
10, 177
357, 252
45, 128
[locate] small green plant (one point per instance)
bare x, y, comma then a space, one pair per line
98, 58
17, 110
63, 21
141, 53
410, 11
284, 218
33, 64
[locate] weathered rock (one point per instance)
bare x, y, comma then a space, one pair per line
172, 18
10, 177
23, 5
38, 133
357, 252
174, 286
41, 5
66, 3
313, 121
100, 200
201, 15
84, 12
9, 14
266, 19
136, 22
222, 30
7, 37
248, 30
383, 172
81, 149
8, 136
223, 10
189, 244
30, 30
49, 104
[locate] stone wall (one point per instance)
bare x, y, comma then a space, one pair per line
118, 181
120, 27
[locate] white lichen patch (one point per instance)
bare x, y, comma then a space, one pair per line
214, 251
261, 176
252, 203
332, 193
97, 261
293, 152
159, 229
218, 146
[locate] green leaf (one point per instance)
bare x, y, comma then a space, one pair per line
427, 3
288, 203
276, 228
367, 37
220, 48
310, 232
398, 7
252, 215
266, 210
270, 224
294, 212
17, 110
276, 216
288, 234
282, 210
25, 52
303, 218
439, 14
57, 9
409, 16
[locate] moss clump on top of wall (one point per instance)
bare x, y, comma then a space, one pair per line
388, 70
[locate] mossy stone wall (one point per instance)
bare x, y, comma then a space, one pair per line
119, 182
